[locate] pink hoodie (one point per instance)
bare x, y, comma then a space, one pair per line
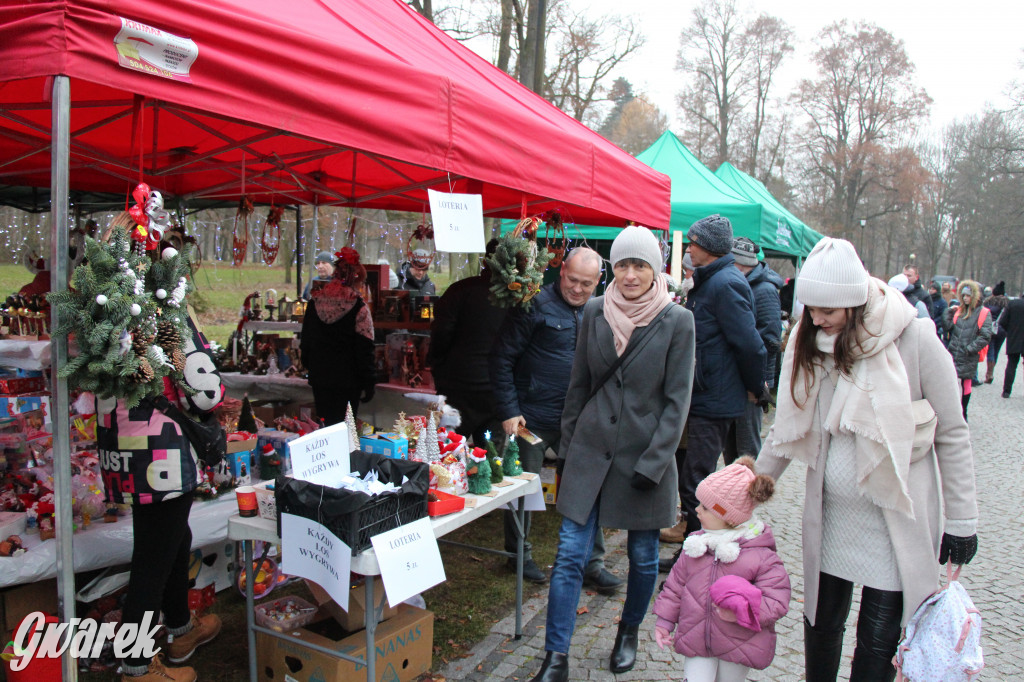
685, 606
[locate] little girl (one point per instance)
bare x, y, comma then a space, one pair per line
729, 586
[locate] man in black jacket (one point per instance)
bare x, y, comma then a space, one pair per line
1012, 322
530, 365
461, 335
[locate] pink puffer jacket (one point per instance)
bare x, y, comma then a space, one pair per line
685, 604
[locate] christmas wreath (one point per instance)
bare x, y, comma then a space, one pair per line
517, 267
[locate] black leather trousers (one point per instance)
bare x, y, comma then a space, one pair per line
878, 632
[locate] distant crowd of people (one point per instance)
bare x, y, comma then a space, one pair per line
638, 392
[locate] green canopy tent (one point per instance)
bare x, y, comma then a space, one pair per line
790, 228
696, 193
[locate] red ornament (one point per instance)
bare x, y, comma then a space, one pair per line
138, 211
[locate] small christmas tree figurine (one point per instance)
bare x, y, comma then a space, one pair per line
432, 450
497, 471
478, 472
246, 419
511, 464
350, 422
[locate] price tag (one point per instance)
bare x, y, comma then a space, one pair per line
312, 551
458, 222
322, 456
410, 562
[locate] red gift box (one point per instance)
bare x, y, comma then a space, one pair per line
12, 385
446, 503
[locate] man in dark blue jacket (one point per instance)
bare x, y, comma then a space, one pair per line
530, 364
745, 434
731, 356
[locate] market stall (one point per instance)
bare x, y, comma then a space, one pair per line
364, 104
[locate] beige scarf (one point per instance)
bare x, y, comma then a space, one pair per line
872, 404
624, 315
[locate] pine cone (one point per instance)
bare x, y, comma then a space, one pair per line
167, 336
178, 360
140, 345
144, 374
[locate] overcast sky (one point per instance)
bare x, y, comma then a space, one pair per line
966, 52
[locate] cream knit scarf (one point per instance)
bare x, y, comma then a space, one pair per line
725, 543
624, 315
872, 404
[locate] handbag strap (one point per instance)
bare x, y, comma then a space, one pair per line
634, 342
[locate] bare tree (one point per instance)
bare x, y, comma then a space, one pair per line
640, 124
862, 103
768, 40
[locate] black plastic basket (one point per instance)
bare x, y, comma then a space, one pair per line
352, 516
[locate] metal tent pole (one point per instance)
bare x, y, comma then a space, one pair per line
60, 151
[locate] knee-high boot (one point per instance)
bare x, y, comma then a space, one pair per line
624, 651
991, 368
823, 650
554, 669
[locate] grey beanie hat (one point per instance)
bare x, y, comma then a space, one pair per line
324, 257
637, 242
745, 251
833, 276
713, 234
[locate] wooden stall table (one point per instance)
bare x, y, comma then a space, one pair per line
248, 530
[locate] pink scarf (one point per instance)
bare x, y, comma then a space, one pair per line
335, 299
624, 316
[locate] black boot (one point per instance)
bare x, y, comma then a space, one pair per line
554, 669
624, 651
665, 565
823, 649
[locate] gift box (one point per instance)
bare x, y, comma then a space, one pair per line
549, 484
240, 466
12, 385
279, 441
389, 444
19, 404
351, 515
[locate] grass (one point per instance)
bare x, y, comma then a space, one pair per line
478, 592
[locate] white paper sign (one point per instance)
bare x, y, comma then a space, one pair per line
458, 222
531, 502
150, 50
322, 456
312, 551
409, 560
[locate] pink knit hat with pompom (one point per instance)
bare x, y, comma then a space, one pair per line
732, 493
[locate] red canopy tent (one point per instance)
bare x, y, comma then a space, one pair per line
354, 102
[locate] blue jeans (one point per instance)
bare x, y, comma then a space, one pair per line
575, 542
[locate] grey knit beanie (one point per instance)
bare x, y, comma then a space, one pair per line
713, 234
324, 257
745, 251
833, 276
637, 242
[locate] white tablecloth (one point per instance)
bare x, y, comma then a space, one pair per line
110, 544
33, 355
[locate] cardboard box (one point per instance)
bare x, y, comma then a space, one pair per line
279, 441
269, 410
19, 601
389, 444
403, 651
548, 483
353, 619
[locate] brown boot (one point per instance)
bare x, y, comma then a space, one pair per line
988, 375
158, 672
676, 533
203, 630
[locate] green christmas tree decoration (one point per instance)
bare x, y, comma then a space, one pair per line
478, 472
168, 281
497, 471
511, 463
114, 321
517, 267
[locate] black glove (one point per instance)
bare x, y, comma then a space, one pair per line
641, 482
958, 550
765, 400
367, 395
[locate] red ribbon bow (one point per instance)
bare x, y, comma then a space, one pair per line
347, 255
138, 211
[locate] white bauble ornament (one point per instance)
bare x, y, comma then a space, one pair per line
135, 310
169, 252
101, 299
161, 293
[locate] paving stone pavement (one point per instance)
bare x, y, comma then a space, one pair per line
995, 579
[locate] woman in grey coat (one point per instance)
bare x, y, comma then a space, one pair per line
619, 439
867, 400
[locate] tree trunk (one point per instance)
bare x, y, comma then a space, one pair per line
505, 36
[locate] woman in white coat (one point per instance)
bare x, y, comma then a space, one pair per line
867, 401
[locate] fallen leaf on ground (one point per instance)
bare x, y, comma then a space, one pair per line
581, 610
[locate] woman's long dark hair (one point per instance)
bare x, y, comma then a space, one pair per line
806, 353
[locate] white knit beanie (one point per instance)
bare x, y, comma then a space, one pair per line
833, 276
637, 242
